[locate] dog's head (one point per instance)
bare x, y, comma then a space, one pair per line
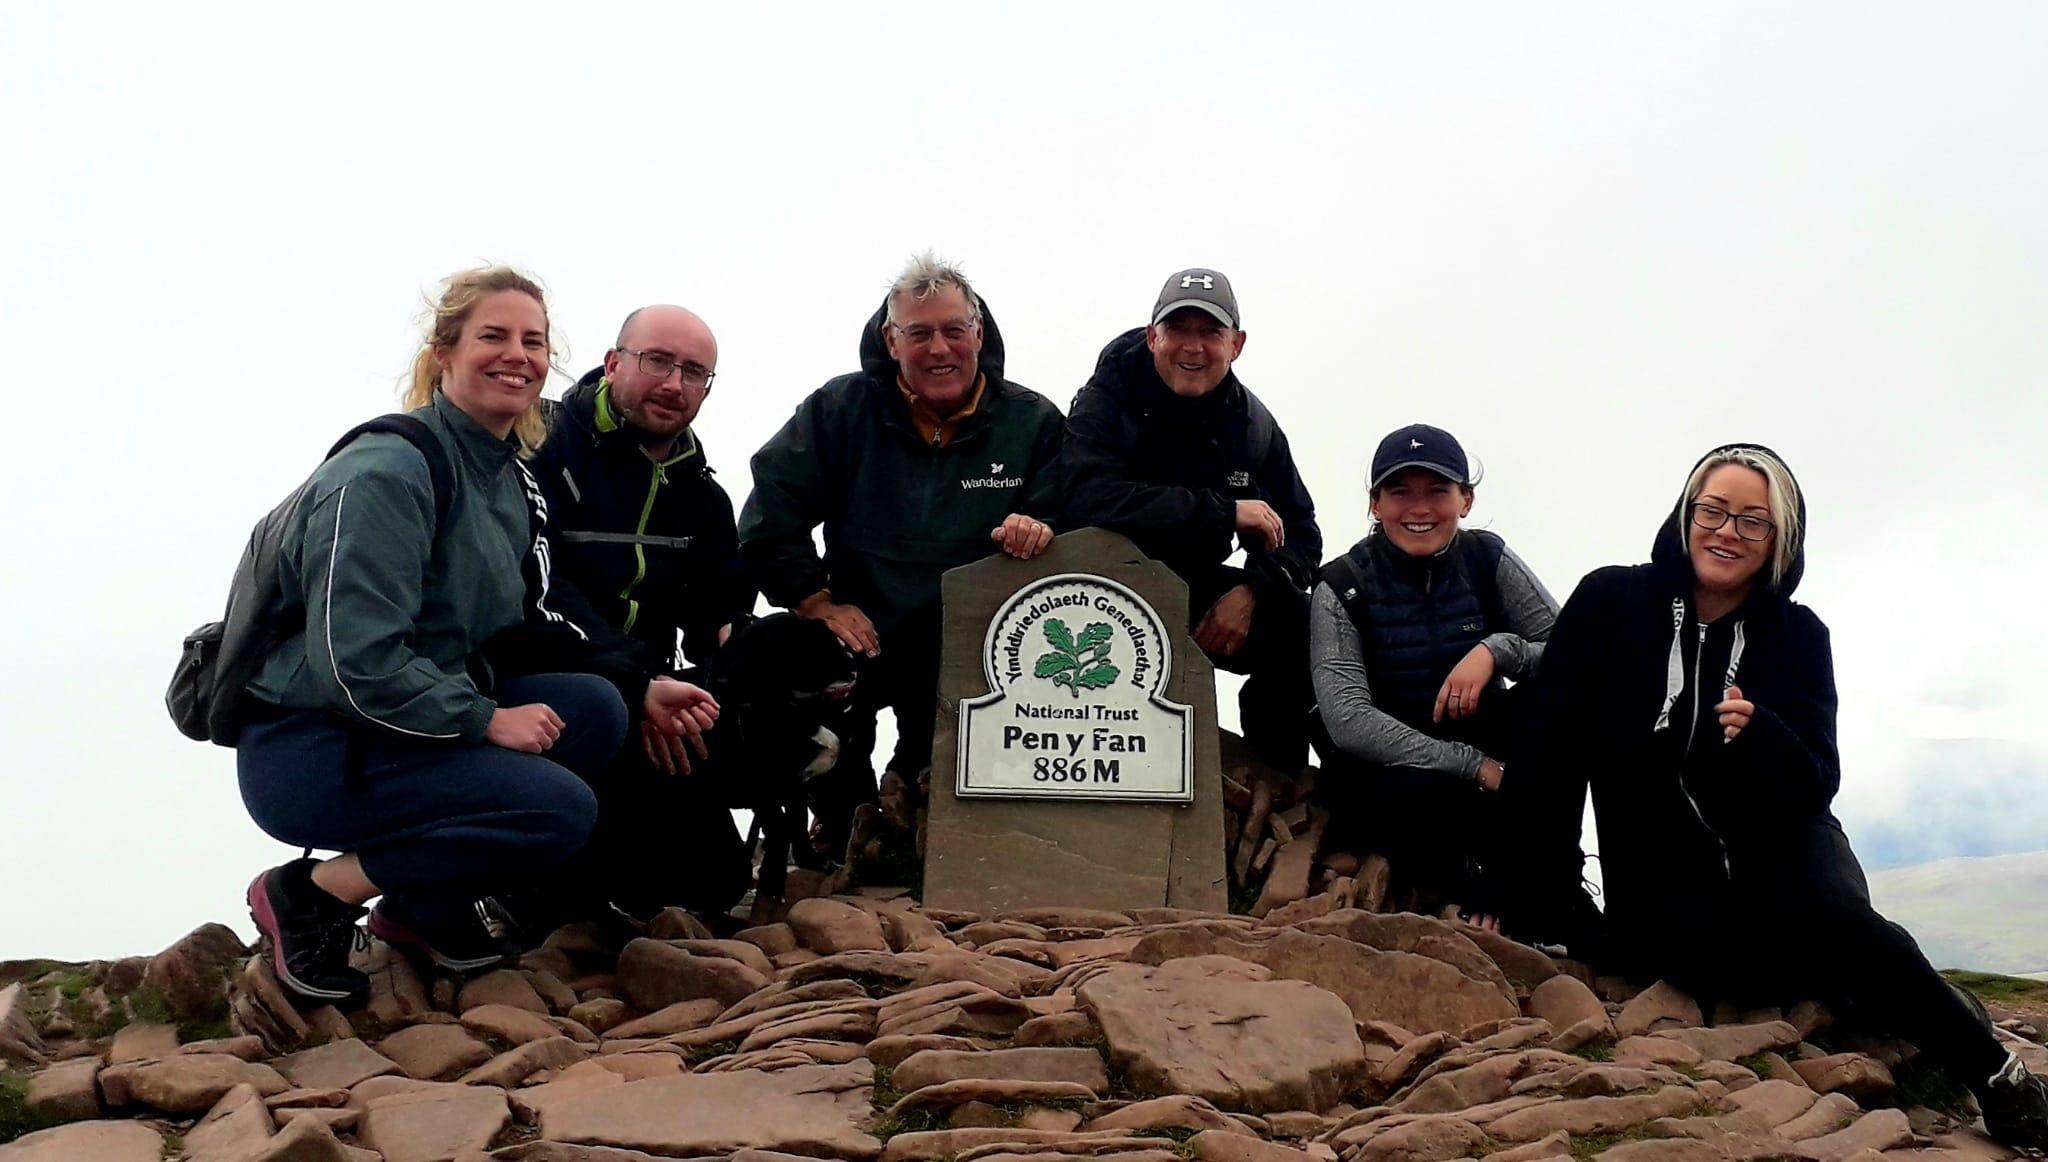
783, 681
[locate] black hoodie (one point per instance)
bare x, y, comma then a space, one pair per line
1168, 472
1627, 692
897, 512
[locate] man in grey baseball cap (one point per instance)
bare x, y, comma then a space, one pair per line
1204, 290
1167, 447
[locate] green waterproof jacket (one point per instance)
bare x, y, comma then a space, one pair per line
897, 513
397, 612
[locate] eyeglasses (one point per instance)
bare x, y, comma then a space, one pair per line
660, 364
922, 336
1749, 528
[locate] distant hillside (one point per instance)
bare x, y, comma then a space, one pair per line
1934, 798
1989, 913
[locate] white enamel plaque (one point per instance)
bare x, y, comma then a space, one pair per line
1077, 667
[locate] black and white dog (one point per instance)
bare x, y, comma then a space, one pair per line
781, 683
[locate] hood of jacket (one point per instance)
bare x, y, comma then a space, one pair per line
579, 419
877, 362
1673, 564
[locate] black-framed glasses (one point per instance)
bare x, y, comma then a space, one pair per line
1747, 526
660, 364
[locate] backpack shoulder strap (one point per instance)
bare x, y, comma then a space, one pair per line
1347, 582
1480, 552
419, 435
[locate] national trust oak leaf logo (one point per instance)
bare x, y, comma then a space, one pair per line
1077, 663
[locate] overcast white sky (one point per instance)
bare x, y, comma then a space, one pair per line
1591, 240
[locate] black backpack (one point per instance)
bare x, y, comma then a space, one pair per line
205, 697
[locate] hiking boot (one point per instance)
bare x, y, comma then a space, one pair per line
2016, 1108
308, 935
454, 936
1561, 923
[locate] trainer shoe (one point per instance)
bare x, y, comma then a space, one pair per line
454, 936
2016, 1108
308, 935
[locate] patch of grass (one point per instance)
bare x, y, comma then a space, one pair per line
1585, 1146
885, 1094
97, 1025
1602, 1050
174, 1146
698, 1054
32, 970
72, 985
1924, 1085
1756, 1063
149, 1005
1182, 1137
1991, 986
876, 986
887, 1125
16, 1118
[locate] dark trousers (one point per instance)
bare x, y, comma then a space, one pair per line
1796, 923
665, 840
1441, 833
904, 679
1277, 698
432, 819
1436, 830
1764, 947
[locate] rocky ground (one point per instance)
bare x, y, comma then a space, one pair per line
863, 1027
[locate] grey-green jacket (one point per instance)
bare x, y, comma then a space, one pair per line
395, 609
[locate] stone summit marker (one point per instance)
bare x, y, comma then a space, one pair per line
1075, 762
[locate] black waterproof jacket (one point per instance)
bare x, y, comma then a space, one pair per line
1689, 821
1168, 472
897, 512
649, 548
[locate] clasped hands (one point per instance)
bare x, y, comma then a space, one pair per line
674, 717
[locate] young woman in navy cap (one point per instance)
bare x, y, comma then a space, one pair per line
1412, 635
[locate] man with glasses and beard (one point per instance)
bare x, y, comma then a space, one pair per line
925, 459
646, 548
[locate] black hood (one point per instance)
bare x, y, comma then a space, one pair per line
874, 353
580, 401
1674, 565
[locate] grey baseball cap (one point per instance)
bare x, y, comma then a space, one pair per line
1202, 288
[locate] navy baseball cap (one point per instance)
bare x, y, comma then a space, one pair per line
1420, 446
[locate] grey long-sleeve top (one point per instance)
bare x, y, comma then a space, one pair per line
1344, 692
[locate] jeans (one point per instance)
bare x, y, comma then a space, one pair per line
433, 817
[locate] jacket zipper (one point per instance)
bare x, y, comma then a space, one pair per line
655, 480
1686, 753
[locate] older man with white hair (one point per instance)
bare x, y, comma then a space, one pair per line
925, 459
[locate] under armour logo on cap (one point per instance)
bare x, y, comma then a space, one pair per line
1201, 288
